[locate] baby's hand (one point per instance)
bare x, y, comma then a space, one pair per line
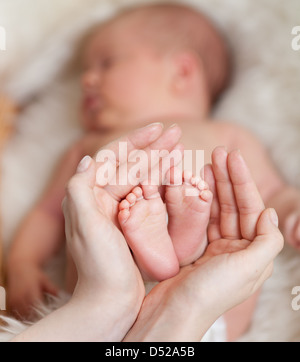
291, 229
27, 285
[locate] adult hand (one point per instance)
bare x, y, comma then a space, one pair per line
244, 239
110, 289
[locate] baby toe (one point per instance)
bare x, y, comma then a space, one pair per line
187, 177
202, 185
150, 192
206, 196
195, 180
131, 198
124, 215
124, 205
138, 192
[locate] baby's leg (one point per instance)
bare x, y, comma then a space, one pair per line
143, 221
238, 319
188, 203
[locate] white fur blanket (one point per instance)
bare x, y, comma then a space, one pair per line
265, 97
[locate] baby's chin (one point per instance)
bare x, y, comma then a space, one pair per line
108, 122
102, 125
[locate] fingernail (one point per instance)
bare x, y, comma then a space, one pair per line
155, 124
174, 125
274, 217
84, 164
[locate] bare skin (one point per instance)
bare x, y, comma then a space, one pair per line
105, 305
188, 208
164, 88
143, 221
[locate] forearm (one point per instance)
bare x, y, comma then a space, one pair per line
39, 238
81, 322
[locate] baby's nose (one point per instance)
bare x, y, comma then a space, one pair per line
90, 79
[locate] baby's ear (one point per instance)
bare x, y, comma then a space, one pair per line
187, 66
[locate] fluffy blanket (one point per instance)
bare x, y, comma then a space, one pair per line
35, 71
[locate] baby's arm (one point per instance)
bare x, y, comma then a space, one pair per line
275, 191
38, 239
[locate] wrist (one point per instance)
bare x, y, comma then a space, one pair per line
169, 321
111, 313
111, 317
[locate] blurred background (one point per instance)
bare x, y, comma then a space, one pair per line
39, 100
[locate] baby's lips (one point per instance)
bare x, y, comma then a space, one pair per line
91, 102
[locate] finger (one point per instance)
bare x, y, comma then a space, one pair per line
80, 191
229, 215
111, 156
158, 175
213, 231
138, 139
131, 174
248, 199
268, 243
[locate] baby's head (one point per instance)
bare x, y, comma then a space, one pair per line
152, 62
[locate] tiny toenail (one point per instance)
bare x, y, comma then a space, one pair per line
202, 185
195, 180
187, 175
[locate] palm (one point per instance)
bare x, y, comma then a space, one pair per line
143, 140
236, 209
107, 204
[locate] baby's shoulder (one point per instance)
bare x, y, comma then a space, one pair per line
235, 135
230, 132
219, 125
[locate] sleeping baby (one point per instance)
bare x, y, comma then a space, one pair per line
157, 63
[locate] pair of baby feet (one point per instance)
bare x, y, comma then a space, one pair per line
166, 235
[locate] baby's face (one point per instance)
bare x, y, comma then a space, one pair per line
124, 82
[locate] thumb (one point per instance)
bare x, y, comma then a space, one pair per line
268, 222
87, 170
80, 187
269, 240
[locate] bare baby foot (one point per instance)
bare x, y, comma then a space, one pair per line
188, 201
143, 221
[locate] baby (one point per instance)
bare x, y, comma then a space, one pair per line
158, 63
